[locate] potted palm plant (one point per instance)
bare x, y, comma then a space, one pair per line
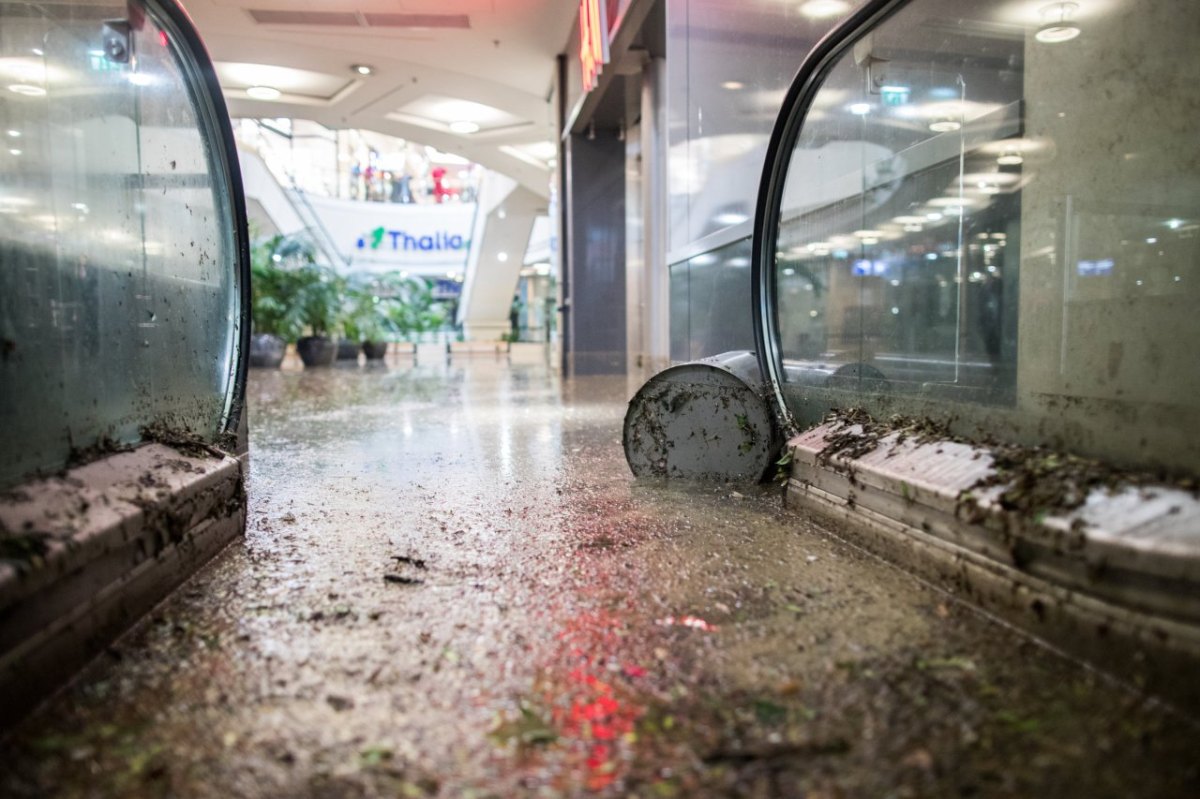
413, 310
275, 317
318, 298
367, 321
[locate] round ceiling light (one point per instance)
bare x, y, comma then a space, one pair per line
27, 90
464, 127
363, 69
1056, 32
263, 93
1010, 158
944, 125
823, 9
1058, 26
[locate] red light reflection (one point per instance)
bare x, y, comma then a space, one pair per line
595, 714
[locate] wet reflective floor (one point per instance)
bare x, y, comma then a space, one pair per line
450, 585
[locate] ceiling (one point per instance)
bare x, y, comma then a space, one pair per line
484, 67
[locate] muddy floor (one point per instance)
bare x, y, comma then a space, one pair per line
451, 586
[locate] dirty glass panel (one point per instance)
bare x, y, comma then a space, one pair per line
984, 222
721, 318
710, 303
117, 292
680, 348
729, 66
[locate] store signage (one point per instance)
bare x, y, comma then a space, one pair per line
593, 41
422, 238
400, 240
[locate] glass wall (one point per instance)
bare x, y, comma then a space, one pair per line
729, 63
120, 295
710, 303
991, 214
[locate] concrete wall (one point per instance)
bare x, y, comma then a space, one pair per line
1107, 354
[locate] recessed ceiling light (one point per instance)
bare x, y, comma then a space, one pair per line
363, 69
16, 134
501, 257
1058, 26
823, 9
1010, 158
860, 109
263, 93
27, 90
15, 151
1056, 32
733, 85
944, 125
140, 79
463, 126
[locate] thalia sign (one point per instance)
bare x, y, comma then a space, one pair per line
399, 240
377, 237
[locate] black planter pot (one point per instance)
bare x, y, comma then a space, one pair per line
316, 351
267, 351
375, 350
347, 350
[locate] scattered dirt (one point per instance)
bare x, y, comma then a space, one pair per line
400, 579
186, 442
540, 663
104, 446
1037, 480
849, 443
25, 549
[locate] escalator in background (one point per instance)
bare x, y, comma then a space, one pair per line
124, 284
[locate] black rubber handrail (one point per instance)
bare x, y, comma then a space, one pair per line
796, 104
213, 119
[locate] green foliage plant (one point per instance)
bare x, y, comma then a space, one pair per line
290, 292
365, 309
411, 307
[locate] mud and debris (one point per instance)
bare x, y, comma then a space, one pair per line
104, 445
25, 549
586, 634
1036, 481
858, 432
187, 442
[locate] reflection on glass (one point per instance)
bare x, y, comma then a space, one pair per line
710, 297
978, 217
729, 64
118, 297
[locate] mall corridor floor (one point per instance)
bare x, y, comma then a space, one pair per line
450, 585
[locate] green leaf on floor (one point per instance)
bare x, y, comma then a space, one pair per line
767, 712
527, 729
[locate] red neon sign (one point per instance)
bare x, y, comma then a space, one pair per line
593, 41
